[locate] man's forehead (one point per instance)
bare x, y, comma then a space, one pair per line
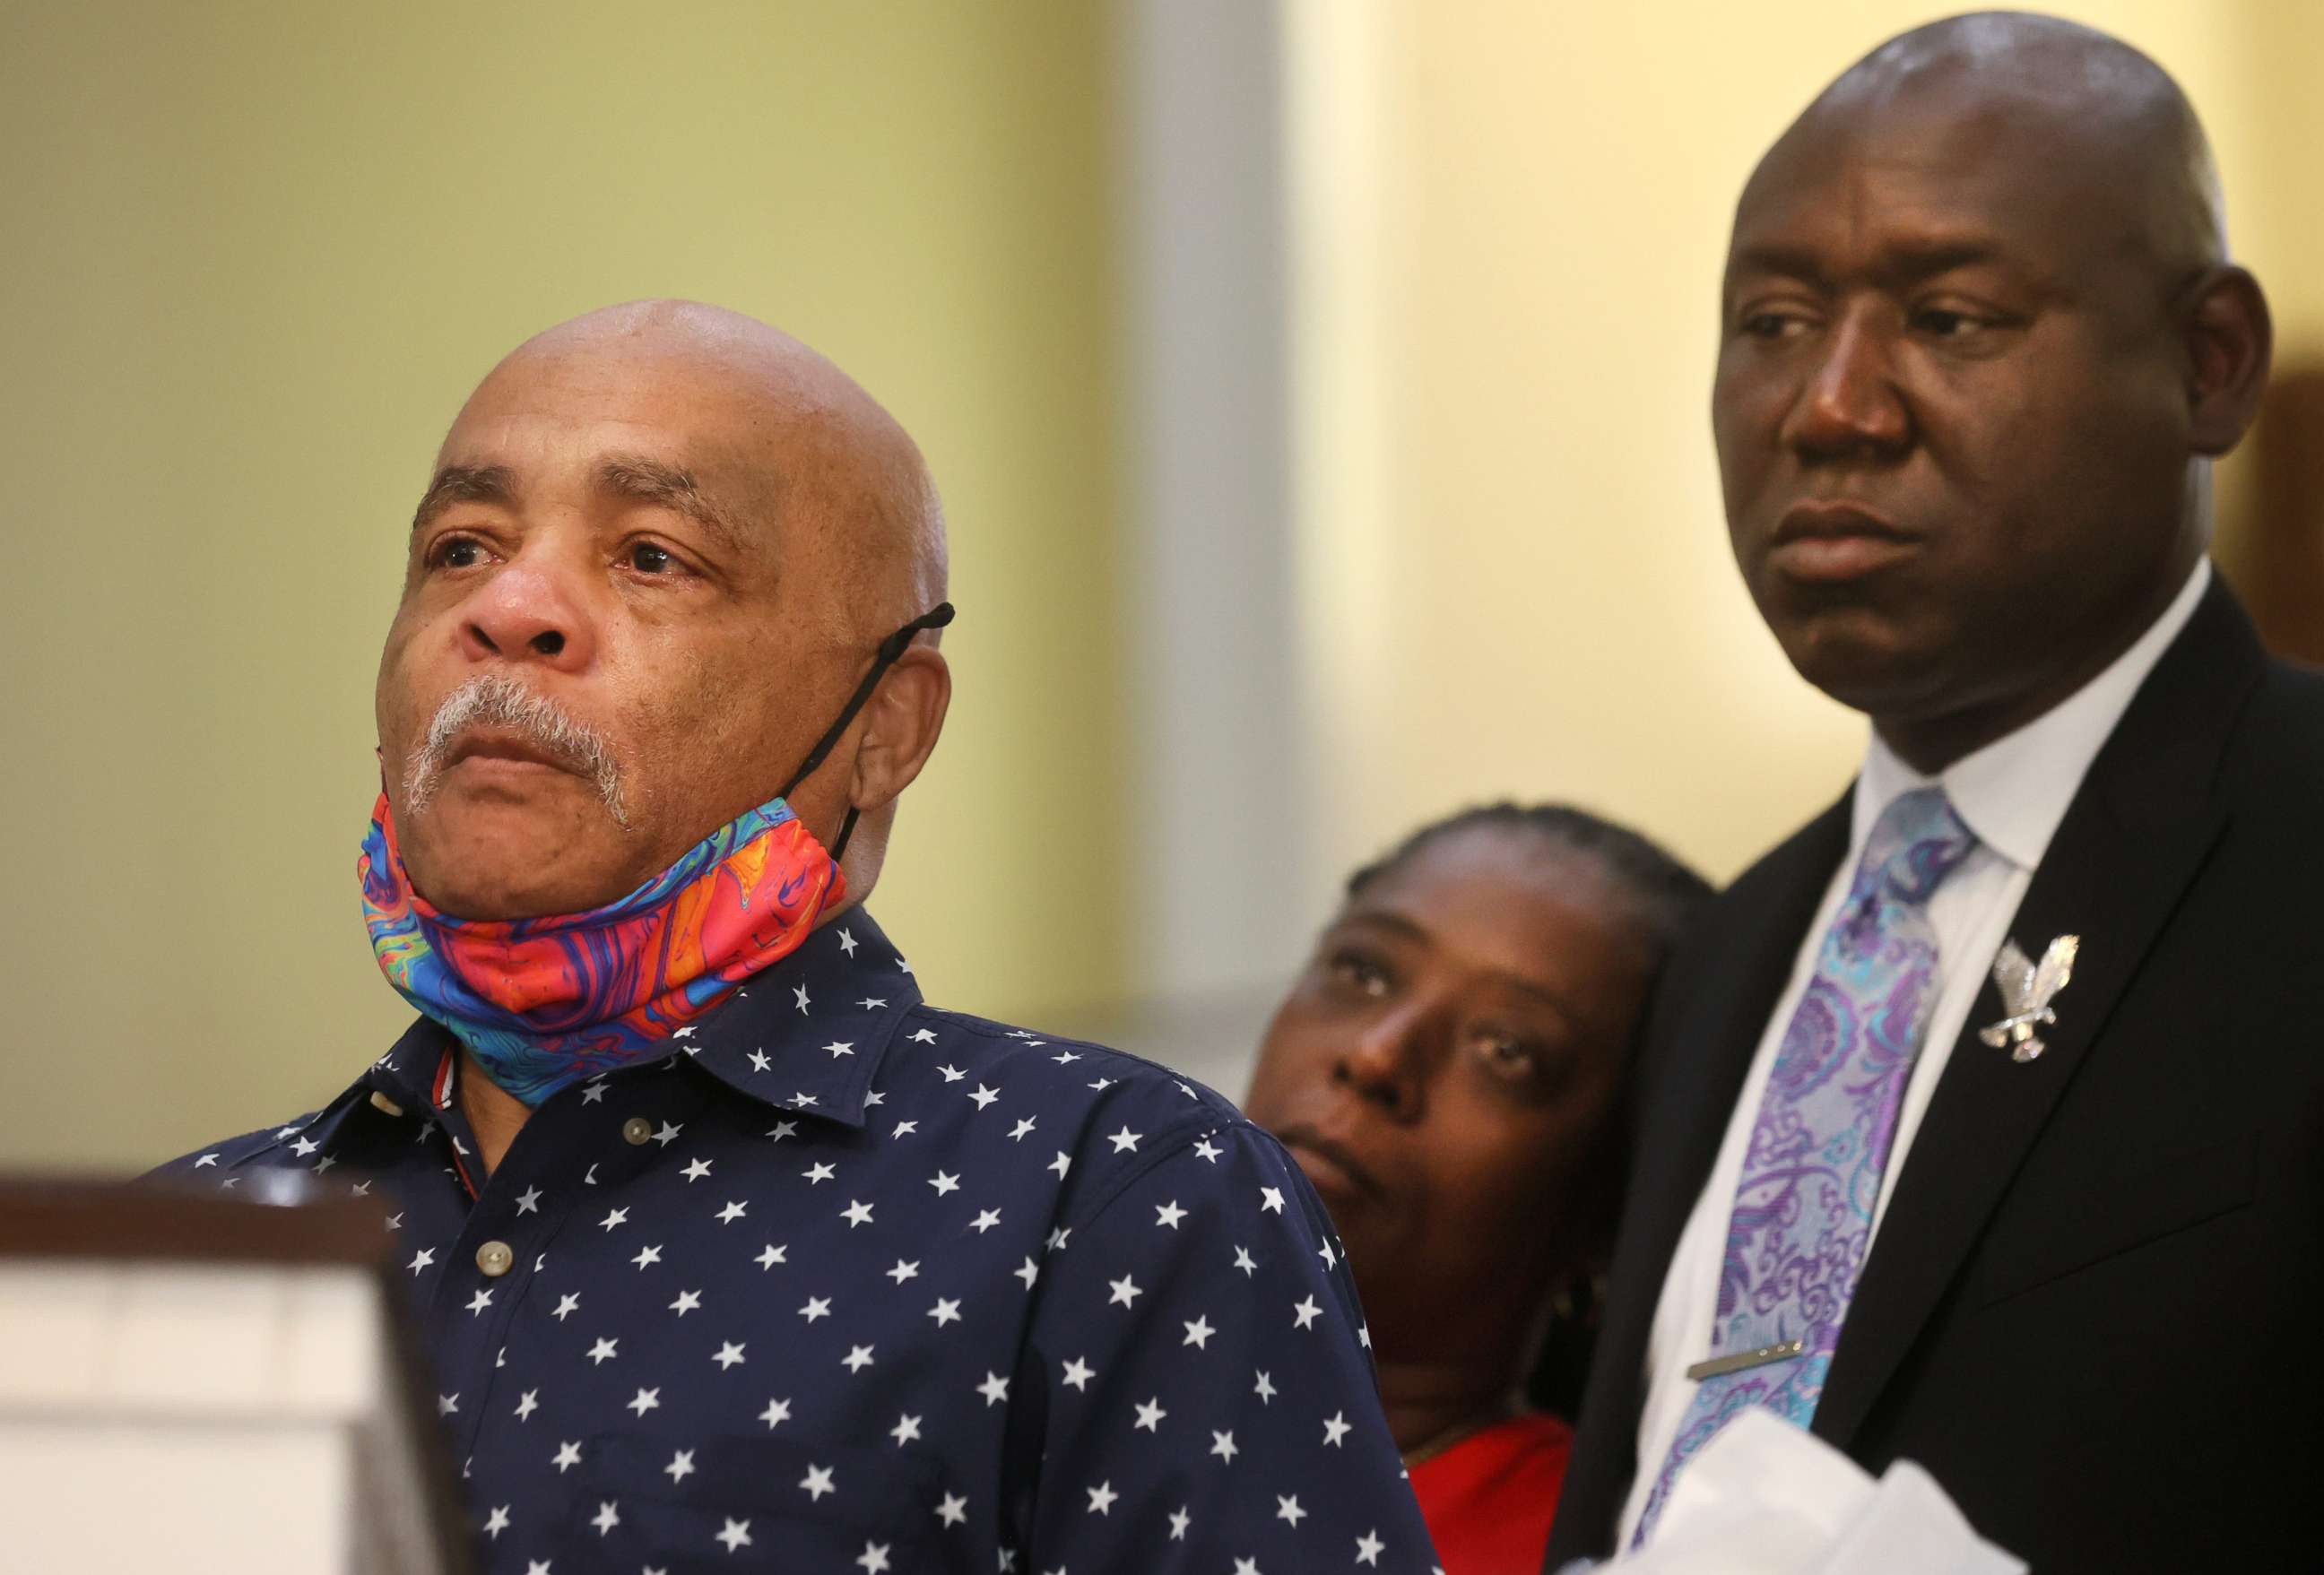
1989, 181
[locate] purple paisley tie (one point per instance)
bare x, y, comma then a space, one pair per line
1803, 1204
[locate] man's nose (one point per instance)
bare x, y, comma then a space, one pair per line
1386, 1063
531, 610
1852, 406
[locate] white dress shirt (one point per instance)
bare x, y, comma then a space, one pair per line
2011, 794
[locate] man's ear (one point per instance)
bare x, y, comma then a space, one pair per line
901, 721
2231, 341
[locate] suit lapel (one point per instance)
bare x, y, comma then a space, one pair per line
2136, 833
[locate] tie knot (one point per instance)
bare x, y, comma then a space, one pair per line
1915, 843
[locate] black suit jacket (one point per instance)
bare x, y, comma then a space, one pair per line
2095, 1307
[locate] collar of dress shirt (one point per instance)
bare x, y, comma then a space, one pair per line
2014, 792
758, 1042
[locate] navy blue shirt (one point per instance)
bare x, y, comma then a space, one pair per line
849, 1283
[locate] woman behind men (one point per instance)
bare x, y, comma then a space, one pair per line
1447, 1071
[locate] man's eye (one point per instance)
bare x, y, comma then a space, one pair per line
457, 552
649, 560
1945, 325
1509, 1054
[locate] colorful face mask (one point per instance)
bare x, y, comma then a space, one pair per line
542, 1003
545, 1002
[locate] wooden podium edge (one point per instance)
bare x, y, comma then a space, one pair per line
73, 1218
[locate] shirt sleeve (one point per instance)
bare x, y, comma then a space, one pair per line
1208, 1397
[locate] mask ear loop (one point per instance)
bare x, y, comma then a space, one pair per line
890, 649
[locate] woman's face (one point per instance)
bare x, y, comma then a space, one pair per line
1446, 1065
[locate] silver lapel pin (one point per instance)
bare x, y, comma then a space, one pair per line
2026, 991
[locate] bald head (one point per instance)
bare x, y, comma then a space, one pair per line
2099, 125
662, 545
813, 463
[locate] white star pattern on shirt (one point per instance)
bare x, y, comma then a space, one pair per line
1116, 1309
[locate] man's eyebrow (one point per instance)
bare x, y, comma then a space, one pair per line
1905, 264
464, 483
673, 487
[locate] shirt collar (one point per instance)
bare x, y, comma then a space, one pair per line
2013, 793
806, 1034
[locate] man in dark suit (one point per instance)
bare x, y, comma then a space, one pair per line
2058, 1241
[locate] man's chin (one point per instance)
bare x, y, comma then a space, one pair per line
491, 860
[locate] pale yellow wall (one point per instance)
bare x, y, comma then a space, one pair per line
1540, 601
253, 256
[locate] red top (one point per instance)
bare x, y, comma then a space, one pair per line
1488, 1499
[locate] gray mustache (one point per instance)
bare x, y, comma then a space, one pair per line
496, 700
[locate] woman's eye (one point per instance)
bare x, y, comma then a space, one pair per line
1356, 969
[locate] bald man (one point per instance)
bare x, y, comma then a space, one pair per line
728, 1251
1979, 1121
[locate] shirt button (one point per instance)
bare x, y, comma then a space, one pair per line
493, 1258
636, 1130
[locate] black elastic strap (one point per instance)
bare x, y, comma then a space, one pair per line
890, 649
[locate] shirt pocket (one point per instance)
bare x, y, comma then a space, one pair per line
745, 1503
2120, 1213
